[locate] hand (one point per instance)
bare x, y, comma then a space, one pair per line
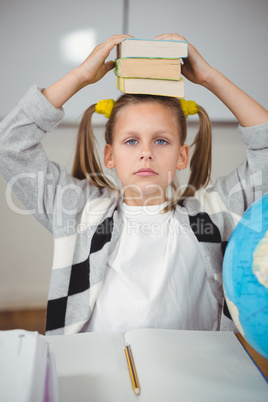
90, 71
95, 65
194, 68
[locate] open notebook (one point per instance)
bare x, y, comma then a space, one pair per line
171, 365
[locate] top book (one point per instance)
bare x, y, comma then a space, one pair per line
152, 48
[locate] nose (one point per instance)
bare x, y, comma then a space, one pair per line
146, 153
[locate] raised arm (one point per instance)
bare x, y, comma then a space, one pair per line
38, 182
90, 71
195, 68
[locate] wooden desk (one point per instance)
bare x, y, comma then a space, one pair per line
260, 361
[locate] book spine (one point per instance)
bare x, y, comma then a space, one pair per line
117, 67
120, 84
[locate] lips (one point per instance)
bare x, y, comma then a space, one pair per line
145, 172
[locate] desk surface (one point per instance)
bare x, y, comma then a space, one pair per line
260, 361
88, 362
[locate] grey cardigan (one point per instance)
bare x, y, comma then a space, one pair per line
86, 221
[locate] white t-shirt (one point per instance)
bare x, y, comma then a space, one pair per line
155, 278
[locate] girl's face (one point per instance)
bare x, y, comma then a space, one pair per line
146, 152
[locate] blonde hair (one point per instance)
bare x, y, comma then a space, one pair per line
87, 162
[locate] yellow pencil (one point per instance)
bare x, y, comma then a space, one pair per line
132, 370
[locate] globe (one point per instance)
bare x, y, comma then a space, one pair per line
245, 275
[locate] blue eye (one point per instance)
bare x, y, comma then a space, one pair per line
131, 142
161, 141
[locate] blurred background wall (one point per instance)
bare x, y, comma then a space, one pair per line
41, 41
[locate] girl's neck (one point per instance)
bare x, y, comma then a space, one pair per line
140, 201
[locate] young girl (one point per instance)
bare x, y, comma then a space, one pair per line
134, 259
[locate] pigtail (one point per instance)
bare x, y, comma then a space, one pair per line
200, 165
86, 161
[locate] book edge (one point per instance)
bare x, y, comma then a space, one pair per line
155, 40
118, 73
120, 85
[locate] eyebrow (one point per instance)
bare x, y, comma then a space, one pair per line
137, 133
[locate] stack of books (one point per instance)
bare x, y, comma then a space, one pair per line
150, 66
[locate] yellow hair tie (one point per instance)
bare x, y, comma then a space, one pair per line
105, 106
188, 107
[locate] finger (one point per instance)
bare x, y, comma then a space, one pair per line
110, 43
116, 39
109, 65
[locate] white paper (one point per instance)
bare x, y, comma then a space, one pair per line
92, 367
23, 358
195, 366
172, 366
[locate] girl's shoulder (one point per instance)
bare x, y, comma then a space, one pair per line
207, 216
205, 199
208, 206
255, 137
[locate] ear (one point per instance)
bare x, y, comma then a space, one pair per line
108, 157
183, 157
